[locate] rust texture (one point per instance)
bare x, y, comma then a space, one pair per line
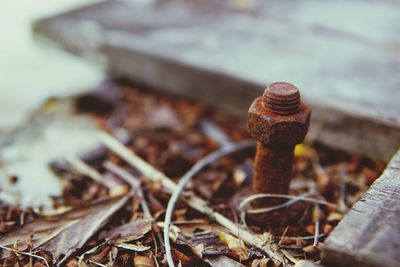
278, 121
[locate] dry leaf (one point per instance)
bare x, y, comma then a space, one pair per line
334, 216
309, 249
236, 245
64, 233
130, 231
262, 263
100, 254
174, 231
143, 261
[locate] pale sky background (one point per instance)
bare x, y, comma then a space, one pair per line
31, 71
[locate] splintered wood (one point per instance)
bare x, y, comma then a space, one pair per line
368, 235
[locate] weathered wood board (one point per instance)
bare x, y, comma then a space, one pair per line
343, 55
368, 236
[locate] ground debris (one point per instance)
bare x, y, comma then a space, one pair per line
63, 234
171, 136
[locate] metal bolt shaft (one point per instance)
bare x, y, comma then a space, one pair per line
272, 171
279, 109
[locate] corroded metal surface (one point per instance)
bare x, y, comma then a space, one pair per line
272, 171
278, 121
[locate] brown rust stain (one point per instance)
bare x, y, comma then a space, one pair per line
278, 121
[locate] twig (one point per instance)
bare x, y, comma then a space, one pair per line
194, 201
289, 256
155, 260
304, 237
130, 179
90, 251
83, 168
198, 221
249, 199
133, 181
26, 254
214, 132
283, 235
316, 232
135, 161
136, 184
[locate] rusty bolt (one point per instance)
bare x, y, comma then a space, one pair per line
278, 121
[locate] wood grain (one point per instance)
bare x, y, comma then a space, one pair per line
369, 235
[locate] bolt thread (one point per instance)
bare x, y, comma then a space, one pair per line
282, 98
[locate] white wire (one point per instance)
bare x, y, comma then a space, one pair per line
210, 158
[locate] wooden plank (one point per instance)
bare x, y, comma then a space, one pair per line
369, 235
346, 68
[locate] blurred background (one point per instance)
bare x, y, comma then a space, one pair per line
343, 55
331, 50
32, 71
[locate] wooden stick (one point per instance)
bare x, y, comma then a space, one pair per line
193, 201
83, 168
135, 184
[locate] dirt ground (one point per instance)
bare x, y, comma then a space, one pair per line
112, 207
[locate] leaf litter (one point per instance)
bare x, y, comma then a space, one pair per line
115, 197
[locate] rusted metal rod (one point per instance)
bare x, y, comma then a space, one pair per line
278, 121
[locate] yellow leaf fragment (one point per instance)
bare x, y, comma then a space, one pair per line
334, 216
236, 245
301, 150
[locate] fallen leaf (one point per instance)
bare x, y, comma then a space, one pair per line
334, 216
236, 245
261, 262
63, 234
130, 231
327, 229
180, 257
174, 231
143, 261
101, 254
309, 249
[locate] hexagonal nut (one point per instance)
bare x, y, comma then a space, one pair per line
277, 130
